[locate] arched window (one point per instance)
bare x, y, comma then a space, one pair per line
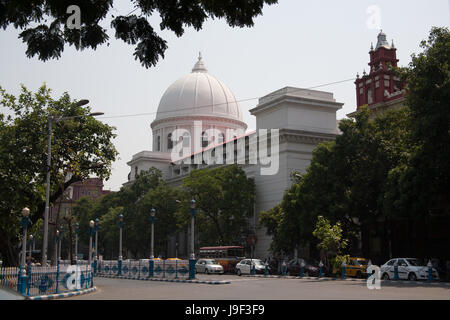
186, 143
204, 139
221, 138
169, 141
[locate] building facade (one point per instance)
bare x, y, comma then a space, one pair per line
199, 118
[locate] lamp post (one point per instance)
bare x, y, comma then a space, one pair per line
91, 233
77, 229
61, 231
52, 119
152, 252
96, 227
30, 244
120, 243
192, 258
22, 272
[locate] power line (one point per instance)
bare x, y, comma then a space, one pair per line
218, 104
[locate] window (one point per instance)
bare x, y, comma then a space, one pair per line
158, 143
204, 139
369, 96
221, 138
186, 143
391, 263
169, 141
135, 171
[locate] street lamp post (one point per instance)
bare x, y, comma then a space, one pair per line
152, 252
120, 243
52, 119
96, 227
59, 243
30, 244
22, 272
192, 258
77, 229
91, 233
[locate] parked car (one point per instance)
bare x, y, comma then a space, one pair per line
208, 266
294, 266
408, 268
356, 267
245, 266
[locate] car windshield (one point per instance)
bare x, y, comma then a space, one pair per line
415, 262
361, 262
211, 262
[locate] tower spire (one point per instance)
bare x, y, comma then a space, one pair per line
199, 66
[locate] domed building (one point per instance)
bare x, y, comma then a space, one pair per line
201, 114
197, 96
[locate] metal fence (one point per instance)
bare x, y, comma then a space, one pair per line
47, 280
139, 269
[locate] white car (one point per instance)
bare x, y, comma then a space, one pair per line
408, 268
208, 266
244, 266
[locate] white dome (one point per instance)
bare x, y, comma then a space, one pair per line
198, 94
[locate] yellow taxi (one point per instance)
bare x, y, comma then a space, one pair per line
355, 267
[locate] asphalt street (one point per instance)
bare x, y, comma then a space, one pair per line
248, 288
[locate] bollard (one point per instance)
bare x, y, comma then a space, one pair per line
344, 271
396, 271
192, 268
21, 282
253, 269
320, 269
266, 272
430, 271
57, 276
152, 268
302, 269
120, 267
283, 268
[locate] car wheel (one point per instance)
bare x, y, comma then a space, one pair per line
288, 273
238, 272
385, 276
412, 277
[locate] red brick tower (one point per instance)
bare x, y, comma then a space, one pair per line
380, 89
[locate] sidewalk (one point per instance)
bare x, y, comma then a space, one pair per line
6, 294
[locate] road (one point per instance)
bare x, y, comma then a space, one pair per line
248, 288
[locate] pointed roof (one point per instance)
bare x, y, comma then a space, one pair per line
382, 42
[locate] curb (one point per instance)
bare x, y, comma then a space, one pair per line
347, 279
169, 280
62, 295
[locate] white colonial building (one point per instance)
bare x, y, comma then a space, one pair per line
199, 120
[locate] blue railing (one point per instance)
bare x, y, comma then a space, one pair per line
38, 280
140, 269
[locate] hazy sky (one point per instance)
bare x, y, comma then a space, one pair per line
294, 43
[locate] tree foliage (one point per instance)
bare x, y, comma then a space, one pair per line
224, 200
81, 146
45, 30
394, 165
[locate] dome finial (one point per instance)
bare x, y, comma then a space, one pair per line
199, 66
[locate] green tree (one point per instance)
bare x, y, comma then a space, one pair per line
224, 200
45, 30
82, 146
419, 187
331, 242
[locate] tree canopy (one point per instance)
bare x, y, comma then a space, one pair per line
81, 147
45, 29
394, 165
